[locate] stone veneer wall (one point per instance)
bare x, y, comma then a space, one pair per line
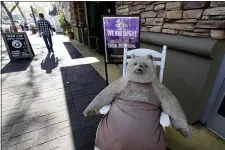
195, 18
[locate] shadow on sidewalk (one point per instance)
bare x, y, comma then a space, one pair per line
74, 53
49, 63
16, 66
31, 124
18, 122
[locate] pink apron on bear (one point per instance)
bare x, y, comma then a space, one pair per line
133, 121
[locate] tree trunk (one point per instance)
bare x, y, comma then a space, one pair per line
10, 16
24, 18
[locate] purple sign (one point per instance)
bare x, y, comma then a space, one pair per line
117, 32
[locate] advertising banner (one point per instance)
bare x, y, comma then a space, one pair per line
120, 30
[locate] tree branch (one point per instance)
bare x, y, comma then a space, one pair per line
14, 7
25, 20
10, 16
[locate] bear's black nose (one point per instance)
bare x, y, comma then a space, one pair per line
140, 70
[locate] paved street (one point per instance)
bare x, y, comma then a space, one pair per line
43, 99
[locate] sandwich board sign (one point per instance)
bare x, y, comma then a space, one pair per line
121, 33
18, 45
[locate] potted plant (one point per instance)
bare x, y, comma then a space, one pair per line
66, 26
33, 30
69, 33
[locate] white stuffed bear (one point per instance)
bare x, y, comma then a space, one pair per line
137, 100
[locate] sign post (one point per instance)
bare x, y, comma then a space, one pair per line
121, 34
124, 60
18, 45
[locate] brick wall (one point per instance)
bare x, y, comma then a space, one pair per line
195, 18
78, 13
72, 13
66, 12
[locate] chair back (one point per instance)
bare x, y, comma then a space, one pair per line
145, 52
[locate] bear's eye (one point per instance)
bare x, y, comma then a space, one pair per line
135, 64
145, 65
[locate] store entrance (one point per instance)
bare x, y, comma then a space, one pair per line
216, 120
214, 113
95, 10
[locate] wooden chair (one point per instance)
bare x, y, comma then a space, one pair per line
164, 118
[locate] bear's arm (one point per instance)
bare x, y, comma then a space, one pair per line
171, 106
105, 97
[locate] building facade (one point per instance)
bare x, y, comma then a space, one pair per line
195, 19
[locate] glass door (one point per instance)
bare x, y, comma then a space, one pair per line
216, 120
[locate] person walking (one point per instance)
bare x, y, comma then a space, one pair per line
45, 31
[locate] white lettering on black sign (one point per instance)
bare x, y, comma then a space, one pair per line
17, 45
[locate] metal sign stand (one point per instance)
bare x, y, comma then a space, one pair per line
106, 71
124, 60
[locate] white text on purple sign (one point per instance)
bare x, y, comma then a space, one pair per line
122, 33
110, 45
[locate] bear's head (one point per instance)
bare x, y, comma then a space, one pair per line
141, 69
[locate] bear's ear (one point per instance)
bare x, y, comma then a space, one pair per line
133, 56
150, 57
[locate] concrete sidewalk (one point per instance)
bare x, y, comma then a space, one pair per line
43, 99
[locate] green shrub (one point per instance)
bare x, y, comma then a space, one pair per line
65, 25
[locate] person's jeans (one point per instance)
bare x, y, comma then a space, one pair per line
48, 42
